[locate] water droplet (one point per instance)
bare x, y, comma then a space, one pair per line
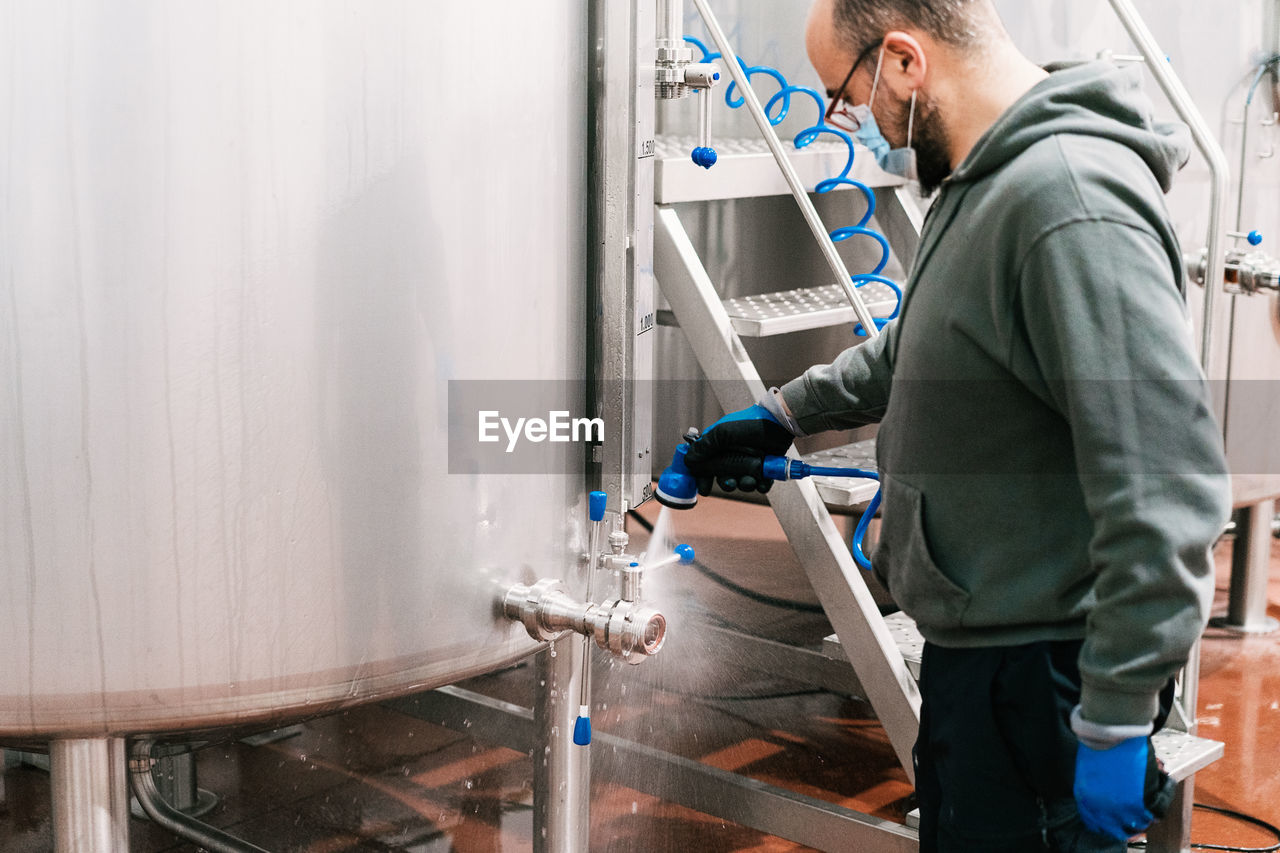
634, 806
553, 652
303, 758
468, 784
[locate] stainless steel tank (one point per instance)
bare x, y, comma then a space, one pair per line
246, 247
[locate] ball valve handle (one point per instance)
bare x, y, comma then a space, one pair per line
596, 503
1253, 238
702, 76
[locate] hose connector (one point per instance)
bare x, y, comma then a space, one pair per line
628, 630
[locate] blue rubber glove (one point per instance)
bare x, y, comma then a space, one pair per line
731, 451
1109, 788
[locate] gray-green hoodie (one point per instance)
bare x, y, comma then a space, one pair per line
1052, 468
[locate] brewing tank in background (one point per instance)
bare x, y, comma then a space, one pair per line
246, 248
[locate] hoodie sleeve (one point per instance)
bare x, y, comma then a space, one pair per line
1107, 329
851, 391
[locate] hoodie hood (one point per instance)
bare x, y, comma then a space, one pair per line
1089, 99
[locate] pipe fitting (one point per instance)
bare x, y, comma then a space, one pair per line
618, 541
628, 630
1243, 272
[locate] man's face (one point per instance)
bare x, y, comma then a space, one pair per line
832, 59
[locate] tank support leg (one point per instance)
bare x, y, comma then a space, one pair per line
561, 768
90, 795
1250, 568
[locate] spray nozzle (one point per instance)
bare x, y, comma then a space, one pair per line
677, 487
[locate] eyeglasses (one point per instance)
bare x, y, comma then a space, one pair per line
839, 113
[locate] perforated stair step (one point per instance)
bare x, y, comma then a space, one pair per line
746, 169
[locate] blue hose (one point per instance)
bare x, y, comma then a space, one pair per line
784, 468
776, 109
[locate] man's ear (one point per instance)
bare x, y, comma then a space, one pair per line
904, 60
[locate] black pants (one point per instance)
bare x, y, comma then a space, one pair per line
995, 760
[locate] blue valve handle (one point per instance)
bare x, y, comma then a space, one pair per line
704, 156
1254, 238
596, 502
582, 731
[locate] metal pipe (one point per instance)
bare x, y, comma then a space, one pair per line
672, 55
1215, 261
1244, 153
169, 818
561, 769
670, 23
593, 566
1209, 148
90, 795
630, 631
1250, 555
828, 248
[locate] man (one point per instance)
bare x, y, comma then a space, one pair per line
1053, 474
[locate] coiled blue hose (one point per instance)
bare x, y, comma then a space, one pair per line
776, 109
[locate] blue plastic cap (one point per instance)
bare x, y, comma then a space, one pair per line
685, 552
1254, 238
715, 76
582, 731
595, 505
704, 156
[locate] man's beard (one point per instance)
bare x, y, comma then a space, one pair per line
929, 139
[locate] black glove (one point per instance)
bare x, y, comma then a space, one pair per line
731, 451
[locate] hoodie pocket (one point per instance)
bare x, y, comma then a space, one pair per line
903, 563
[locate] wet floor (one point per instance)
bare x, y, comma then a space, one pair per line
374, 779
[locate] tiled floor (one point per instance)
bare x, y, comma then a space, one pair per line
375, 780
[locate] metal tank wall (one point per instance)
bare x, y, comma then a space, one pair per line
245, 248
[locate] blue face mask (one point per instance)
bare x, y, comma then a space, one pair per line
895, 161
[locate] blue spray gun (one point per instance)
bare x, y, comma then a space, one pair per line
678, 488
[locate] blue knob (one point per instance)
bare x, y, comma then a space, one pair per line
704, 156
686, 553
1254, 238
582, 731
715, 76
595, 505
